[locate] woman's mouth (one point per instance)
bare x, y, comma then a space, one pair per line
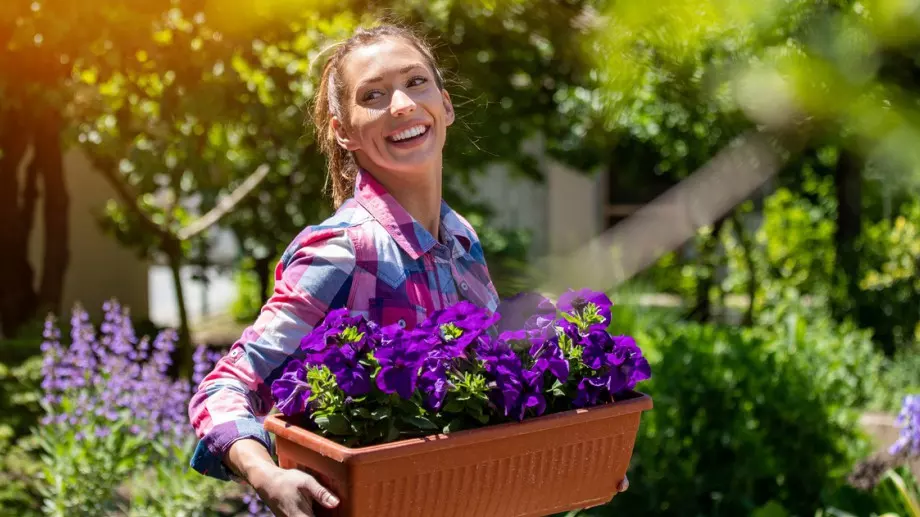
410, 137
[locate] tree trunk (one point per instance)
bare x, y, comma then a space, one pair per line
18, 299
184, 346
702, 309
747, 248
56, 207
848, 189
264, 271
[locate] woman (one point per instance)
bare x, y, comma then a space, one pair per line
394, 251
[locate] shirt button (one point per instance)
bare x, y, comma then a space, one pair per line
402, 323
235, 352
464, 286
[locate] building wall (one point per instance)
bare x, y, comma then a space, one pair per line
575, 205
99, 267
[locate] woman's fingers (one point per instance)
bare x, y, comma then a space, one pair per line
624, 485
318, 492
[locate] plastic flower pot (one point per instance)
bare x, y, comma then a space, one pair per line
553, 463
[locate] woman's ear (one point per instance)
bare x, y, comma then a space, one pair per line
341, 136
448, 107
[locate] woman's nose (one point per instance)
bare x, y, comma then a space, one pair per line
401, 104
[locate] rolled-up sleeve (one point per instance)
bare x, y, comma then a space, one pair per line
313, 277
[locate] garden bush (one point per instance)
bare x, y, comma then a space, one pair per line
744, 417
113, 436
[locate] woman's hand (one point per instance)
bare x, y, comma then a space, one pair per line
290, 493
624, 485
287, 492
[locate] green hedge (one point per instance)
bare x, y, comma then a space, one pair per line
743, 417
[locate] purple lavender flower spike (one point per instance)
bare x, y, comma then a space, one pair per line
908, 442
291, 391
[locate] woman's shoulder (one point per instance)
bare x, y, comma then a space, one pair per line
333, 235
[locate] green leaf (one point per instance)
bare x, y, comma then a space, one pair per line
380, 413
453, 426
360, 412
420, 422
392, 433
335, 424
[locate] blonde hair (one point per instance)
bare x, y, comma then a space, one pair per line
330, 102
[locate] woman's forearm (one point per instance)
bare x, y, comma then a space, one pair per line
250, 460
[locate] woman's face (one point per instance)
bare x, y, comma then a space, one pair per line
397, 116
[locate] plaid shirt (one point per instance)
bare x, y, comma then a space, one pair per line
372, 257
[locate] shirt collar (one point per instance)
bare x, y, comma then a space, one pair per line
411, 236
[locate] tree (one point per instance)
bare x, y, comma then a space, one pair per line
40, 42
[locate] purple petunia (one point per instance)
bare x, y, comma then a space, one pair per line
400, 356
504, 363
330, 334
291, 391
549, 357
574, 302
471, 321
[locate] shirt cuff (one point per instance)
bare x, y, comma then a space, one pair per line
208, 458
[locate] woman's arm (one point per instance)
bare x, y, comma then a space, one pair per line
313, 277
287, 493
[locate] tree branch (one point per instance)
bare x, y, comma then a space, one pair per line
224, 206
130, 198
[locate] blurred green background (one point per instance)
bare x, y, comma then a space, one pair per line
775, 333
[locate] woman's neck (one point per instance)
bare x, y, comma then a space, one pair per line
420, 196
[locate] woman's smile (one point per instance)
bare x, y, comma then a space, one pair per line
411, 137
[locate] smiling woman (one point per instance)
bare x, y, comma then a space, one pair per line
394, 251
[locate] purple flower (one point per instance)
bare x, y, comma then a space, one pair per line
595, 346
494, 353
400, 359
531, 396
433, 384
470, 320
548, 356
908, 442
589, 391
331, 333
353, 377
526, 311
574, 302
291, 391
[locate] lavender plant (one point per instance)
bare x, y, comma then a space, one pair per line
115, 435
908, 443
359, 383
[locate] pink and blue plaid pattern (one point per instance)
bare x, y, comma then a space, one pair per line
372, 257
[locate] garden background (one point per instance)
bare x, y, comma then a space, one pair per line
155, 151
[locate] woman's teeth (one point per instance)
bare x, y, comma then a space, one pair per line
409, 133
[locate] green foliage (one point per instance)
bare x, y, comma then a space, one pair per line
80, 470
745, 416
891, 279
507, 253
248, 301
170, 487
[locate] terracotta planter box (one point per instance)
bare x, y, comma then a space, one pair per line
541, 466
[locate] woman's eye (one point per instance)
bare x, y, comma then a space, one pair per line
417, 80
371, 95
